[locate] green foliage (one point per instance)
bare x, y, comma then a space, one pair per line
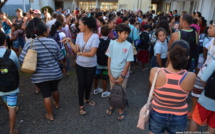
49, 9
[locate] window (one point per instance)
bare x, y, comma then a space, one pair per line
108, 5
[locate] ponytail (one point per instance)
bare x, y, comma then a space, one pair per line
54, 27
90, 23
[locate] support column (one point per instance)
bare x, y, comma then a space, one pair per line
97, 4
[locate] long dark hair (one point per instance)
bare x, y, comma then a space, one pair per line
90, 23
31, 27
54, 27
41, 28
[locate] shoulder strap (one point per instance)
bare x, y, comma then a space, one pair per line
7, 54
47, 49
152, 88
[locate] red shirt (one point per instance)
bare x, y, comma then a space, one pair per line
143, 23
118, 21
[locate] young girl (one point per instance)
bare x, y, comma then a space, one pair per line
160, 49
112, 25
100, 23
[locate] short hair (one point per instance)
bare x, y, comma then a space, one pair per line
146, 26
188, 18
176, 11
125, 19
118, 13
105, 30
132, 21
122, 28
54, 15
2, 38
99, 14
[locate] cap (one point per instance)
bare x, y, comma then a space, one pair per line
37, 11
19, 10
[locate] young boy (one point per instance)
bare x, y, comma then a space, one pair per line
9, 92
120, 55
102, 60
143, 47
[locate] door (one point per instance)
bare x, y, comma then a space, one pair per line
59, 5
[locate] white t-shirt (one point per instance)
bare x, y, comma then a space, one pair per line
210, 57
161, 48
62, 35
50, 23
92, 42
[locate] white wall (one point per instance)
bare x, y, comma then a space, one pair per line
15, 2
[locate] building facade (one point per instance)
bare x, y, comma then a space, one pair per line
206, 7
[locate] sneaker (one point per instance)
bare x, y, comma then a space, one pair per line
105, 94
98, 90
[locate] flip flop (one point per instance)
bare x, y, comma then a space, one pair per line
50, 120
57, 108
120, 115
83, 111
90, 102
110, 111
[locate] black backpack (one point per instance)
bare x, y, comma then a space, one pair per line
56, 37
210, 86
144, 38
9, 74
102, 59
118, 97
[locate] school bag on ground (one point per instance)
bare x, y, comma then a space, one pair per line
9, 74
210, 86
118, 97
101, 57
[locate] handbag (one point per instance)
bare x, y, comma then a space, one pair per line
145, 110
30, 62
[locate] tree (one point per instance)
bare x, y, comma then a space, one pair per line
2, 3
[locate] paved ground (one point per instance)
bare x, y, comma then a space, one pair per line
31, 119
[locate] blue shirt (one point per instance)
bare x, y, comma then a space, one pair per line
16, 61
120, 54
6, 27
161, 48
134, 33
206, 102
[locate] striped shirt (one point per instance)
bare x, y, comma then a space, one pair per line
171, 98
47, 67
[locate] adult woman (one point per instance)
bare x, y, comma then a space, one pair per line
48, 73
100, 23
6, 25
29, 16
85, 47
112, 25
173, 84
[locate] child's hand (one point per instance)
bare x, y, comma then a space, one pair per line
119, 80
112, 79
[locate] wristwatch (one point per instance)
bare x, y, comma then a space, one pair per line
123, 76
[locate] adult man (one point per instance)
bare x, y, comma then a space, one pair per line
189, 35
9, 92
204, 112
175, 13
58, 11
52, 21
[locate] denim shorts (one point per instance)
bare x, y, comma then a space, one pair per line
16, 44
10, 100
159, 123
154, 62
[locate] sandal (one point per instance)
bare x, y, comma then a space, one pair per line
90, 102
109, 111
82, 111
120, 117
49, 119
57, 108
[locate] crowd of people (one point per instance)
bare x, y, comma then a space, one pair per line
108, 46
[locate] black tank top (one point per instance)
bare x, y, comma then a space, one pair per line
19, 22
190, 37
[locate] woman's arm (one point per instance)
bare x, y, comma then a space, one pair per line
92, 52
13, 37
158, 56
75, 47
9, 22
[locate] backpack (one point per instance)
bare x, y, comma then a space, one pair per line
144, 39
118, 97
101, 57
9, 74
210, 86
56, 37
201, 40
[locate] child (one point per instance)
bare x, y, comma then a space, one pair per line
102, 59
120, 55
143, 47
160, 49
15, 38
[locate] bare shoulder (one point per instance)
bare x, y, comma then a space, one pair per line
191, 76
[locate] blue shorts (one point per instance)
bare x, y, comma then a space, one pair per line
19, 42
10, 100
159, 123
